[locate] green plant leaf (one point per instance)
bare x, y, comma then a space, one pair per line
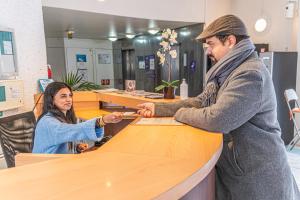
165, 83
74, 80
160, 87
174, 83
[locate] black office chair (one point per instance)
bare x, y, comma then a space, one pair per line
16, 135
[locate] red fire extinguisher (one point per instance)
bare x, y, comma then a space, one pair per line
49, 71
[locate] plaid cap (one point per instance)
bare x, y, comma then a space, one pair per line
225, 25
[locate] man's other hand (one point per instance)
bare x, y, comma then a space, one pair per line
146, 109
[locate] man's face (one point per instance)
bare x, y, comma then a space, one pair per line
216, 49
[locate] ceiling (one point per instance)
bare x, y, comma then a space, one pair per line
90, 25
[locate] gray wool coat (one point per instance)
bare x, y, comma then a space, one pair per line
253, 164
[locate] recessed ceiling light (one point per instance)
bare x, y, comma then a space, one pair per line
260, 25
113, 39
153, 31
130, 36
101, 0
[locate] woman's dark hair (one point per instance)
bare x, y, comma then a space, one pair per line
49, 107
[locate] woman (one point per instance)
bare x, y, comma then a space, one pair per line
56, 128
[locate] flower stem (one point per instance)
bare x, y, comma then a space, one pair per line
169, 69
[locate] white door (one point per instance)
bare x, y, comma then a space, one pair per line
80, 60
104, 66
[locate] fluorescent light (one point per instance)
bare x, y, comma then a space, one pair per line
153, 31
130, 36
260, 25
142, 41
185, 33
113, 39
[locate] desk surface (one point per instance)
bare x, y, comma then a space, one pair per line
129, 100
141, 162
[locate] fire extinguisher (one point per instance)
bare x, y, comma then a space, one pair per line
49, 71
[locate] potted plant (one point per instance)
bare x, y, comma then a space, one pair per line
166, 53
76, 82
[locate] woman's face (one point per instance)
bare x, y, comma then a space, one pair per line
63, 100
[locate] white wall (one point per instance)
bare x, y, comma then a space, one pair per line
91, 48
281, 33
216, 8
26, 18
175, 10
56, 57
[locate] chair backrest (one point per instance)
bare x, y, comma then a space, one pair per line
290, 95
16, 135
291, 98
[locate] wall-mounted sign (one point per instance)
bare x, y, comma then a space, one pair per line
83, 73
141, 62
8, 61
104, 58
80, 58
149, 62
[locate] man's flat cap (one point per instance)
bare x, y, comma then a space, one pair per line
225, 25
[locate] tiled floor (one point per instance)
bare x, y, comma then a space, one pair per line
294, 160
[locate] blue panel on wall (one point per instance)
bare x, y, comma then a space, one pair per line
2, 93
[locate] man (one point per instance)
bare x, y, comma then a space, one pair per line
238, 101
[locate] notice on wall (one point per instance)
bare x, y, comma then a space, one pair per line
104, 58
7, 47
80, 58
151, 62
81, 62
83, 73
141, 62
147, 62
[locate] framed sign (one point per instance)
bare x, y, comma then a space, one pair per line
81, 61
8, 59
141, 62
83, 73
104, 58
149, 62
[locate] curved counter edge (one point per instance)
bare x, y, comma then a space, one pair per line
185, 187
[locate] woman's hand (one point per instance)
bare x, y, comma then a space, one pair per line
81, 147
146, 109
114, 117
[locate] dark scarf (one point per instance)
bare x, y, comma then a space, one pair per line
217, 75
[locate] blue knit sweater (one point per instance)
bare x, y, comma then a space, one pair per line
52, 136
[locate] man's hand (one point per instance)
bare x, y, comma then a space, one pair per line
146, 109
114, 117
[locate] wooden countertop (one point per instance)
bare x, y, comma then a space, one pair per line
129, 100
140, 162
88, 100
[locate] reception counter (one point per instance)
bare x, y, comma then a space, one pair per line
140, 162
86, 100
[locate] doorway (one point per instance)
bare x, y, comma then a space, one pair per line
128, 65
